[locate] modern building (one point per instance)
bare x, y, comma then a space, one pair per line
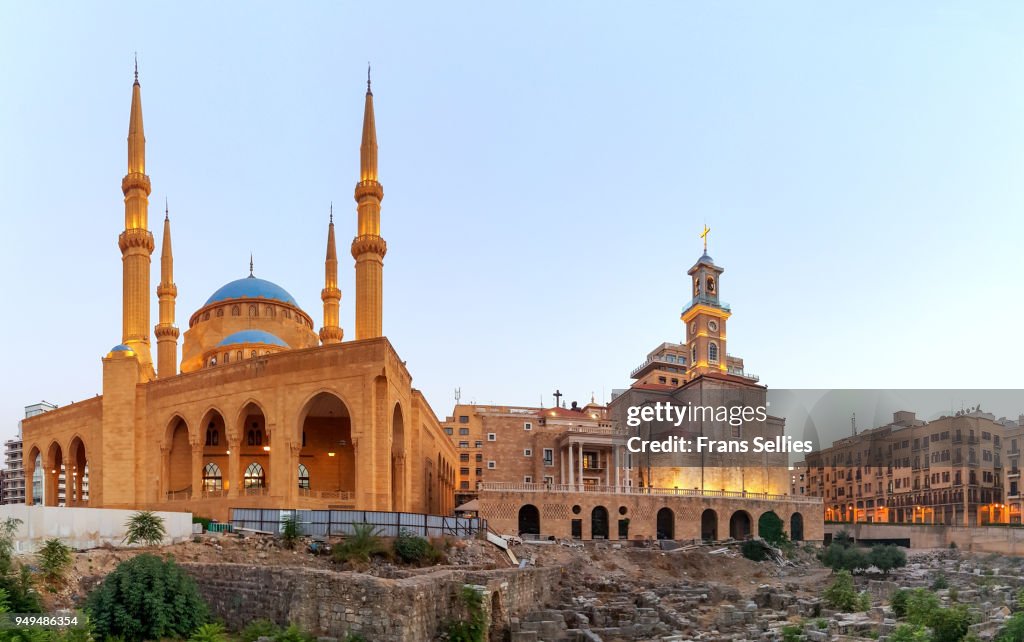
264, 411
13, 488
910, 471
568, 473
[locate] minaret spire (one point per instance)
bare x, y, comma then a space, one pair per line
331, 295
368, 248
136, 241
166, 332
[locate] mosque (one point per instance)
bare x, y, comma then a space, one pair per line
264, 412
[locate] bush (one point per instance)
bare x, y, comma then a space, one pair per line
940, 582
362, 545
950, 625
887, 557
290, 531
899, 602
474, 629
146, 527
146, 598
293, 634
844, 558
205, 521
54, 560
841, 595
259, 629
910, 633
792, 633
210, 633
753, 550
1013, 629
770, 528
843, 538
921, 606
412, 549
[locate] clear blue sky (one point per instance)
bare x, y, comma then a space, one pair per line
547, 168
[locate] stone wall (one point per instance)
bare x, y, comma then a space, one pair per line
985, 539
332, 603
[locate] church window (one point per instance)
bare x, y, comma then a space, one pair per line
303, 476
254, 477
220, 312
713, 352
236, 311
212, 479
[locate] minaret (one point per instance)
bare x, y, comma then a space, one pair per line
368, 248
331, 295
136, 241
166, 332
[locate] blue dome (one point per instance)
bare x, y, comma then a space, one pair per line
252, 336
121, 348
251, 288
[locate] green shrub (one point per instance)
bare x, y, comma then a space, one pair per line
770, 528
844, 558
887, 557
474, 629
841, 595
293, 634
910, 633
753, 550
146, 527
205, 521
950, 625
146, 598
821, 623
412, 549
21, 596
843, 538
899, 602
954, 595
354, 637
213, 632
289, 531
792, 633
940, 582
921, 606
362, 545
259, 629
54, 560
1013, 629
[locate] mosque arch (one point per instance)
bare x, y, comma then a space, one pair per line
740, 525
709, 525
75, 476
328, 452
398, 475
666, 523
177, 469
34, 476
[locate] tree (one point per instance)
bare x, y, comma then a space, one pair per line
54, 560
910, 633
146, 598
146, 527
770, 528
842, 558
950, 625
1013, 630
921, 606
887, 557
290, 531
841, 594
843, 538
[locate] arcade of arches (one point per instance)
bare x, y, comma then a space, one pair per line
373, 445
614, 516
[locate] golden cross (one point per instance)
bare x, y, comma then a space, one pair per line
704, 235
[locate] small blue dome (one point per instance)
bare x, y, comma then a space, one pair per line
121, 348
706, 259
252, 336
251, 288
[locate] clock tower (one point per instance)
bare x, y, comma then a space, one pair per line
705, 317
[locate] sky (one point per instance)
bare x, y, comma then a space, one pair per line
547, 169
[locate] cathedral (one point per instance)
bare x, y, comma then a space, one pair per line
264, 411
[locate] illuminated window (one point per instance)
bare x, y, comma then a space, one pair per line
713, 352
254, 477
211, 477
303, 476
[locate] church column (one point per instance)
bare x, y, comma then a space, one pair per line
197, 470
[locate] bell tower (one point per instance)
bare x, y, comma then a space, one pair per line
705, 317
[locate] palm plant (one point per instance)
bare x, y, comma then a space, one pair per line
146, 527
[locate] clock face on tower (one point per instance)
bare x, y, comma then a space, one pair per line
713, 325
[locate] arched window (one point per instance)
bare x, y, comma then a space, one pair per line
236, 311
238, 355
220, 312
303, 476
713, 352
268, 311
254, 476
206, 316
227, 357
211, 477
253, 311
693, 354
37, 481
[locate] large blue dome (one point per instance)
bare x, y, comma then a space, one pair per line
252, 336
251, 288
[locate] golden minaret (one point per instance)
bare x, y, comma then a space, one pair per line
368, 248
136, 241
331, 295
166, 332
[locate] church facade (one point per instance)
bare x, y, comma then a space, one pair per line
264, 410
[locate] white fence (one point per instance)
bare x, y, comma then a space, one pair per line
83, 528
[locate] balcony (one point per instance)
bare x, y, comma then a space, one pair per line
702, 299
679, 362
1013, 472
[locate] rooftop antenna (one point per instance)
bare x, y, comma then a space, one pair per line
458, 395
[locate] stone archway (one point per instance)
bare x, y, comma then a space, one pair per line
327, 451
529, 520
599, 523
796, 527
398, 474
739, 525
709, 525
76, 481
34, 477
53, 473
216, 456
666, 524
178, 461
253, 448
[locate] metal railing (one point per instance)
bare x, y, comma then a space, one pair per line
703, 299
332, 523
179, 495
345, 495
523, 487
